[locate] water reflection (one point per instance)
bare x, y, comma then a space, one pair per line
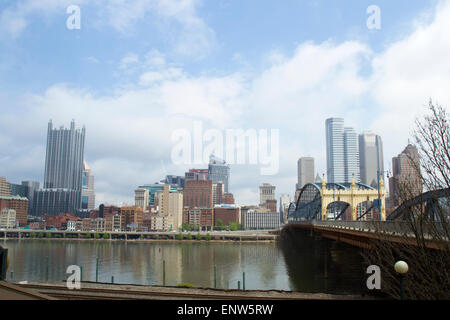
315, 264
300, 264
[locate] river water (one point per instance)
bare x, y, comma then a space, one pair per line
299, 263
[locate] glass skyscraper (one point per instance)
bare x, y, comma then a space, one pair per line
63, 177
219, 171
370, 158
342, 152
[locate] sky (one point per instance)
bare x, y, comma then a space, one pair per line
138, 72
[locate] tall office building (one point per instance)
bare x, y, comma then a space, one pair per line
88, 192
218, 192
141, 198
198, 193
266, 192
5, 188
32, 186
171, 205
63, 179
370, 158
196, 174
305, 171
342, 152
219, 171
285, 201
351, 155
175, 180
405, 182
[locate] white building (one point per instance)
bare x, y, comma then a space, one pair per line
266, 192
370, 158
342, 152
141, 198
259, 220
285, 201
88, 192
8, 218
305, 171
72, 225
160, 222
170, 205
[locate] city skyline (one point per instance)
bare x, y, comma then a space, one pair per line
150, 86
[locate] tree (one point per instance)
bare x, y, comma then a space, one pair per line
179, 236
429, 269
189, 236
105, 236
235, 226
208, 237
220, 225
199, 236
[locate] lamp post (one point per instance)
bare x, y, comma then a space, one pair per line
401, 267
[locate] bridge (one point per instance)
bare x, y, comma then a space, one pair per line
327, 201
321, 209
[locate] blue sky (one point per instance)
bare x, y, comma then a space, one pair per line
134, 65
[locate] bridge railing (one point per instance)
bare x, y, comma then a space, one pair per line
389, 227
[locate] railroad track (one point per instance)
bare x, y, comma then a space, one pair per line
105, 292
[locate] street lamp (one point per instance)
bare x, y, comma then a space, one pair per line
401, 267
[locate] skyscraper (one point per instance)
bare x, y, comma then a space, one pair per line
305, 171
370, 158
342, 152
88, 192
219, 171
405, 182
5, 188
32, 186
198, 193
63, 179
141, 198
285, 201
266, 192
351, 155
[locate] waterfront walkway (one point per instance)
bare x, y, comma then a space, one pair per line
106, 291
244, 235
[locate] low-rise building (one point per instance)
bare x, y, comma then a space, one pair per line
227, 214
261, 219
113, 222
160, 222
19, 204
8, 218
201, 217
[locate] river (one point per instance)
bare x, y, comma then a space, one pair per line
299, 263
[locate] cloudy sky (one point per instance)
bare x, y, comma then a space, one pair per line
139, 70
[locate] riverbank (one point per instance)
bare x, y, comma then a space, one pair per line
232, 236
142, 240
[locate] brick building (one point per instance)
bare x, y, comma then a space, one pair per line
227, 213
198, 193
17, 203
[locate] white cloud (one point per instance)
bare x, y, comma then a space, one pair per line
189, 35
128, 134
